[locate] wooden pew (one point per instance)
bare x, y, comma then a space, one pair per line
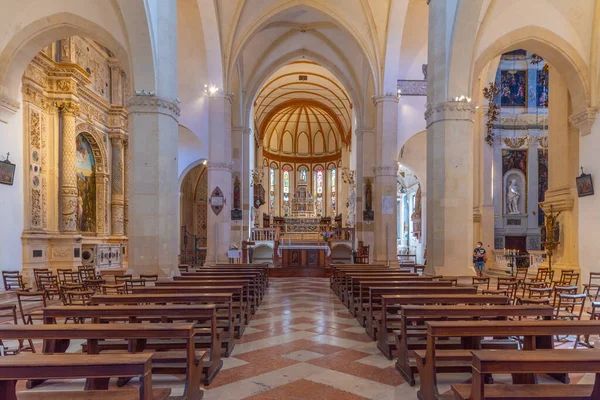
222, 300
389, 319
263, 267
239, 305
361, 299
255, 289
74, 366
487, 362
57, 338
206, 338
338, 274
199, 281
262, 274
375, 300
535, 334
352, 290
255, 278
418, 314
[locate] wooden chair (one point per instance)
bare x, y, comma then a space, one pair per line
36, 273
4, 350
505, 286
113, 289
67, 276
122, 278
184, 268
568, 277
149, 277
49, 285
362, 254
570, 308
13, 280
31, 298
69, 287
131, 283
86, 272
592, 285
79, 298
478, 281
93, 284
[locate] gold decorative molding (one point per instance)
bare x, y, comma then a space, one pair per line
68, 107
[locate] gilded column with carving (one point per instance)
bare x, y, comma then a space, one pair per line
117, 193
68, 192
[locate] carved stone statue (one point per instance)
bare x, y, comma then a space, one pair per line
512, 198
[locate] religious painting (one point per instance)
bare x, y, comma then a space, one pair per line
237, 193
542, 88
514, 159
585, 186
542, 181
513, 88
85, 166
217, 200
312, 257
7, 172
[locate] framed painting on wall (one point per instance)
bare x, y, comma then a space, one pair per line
585, 186
513, 88
7, 172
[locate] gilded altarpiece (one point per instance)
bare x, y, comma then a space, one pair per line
73, 84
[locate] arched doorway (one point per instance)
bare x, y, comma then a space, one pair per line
193, 215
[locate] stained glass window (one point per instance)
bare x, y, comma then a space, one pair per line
286, 185
333, 188
320, 181
303, 175
271, 189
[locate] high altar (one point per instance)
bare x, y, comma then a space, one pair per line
301, 243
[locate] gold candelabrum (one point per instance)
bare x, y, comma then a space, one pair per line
257, 174
550, 244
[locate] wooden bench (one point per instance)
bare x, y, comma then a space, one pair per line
535, 335
264, 271
250, 298
412, 326
206, 338
338, 274
389, 319
375, 300
361, 300
239, 303
255, 279
354, 293
485, 362
212, 280
74, 366
349, 287
223, 301
57, 339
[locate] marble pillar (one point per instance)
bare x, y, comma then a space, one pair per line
385, 172
563, 159
68, 191
450, 187
153, 188
117, 193
219, 175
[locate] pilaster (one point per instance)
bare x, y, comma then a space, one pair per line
117, 192
68, 192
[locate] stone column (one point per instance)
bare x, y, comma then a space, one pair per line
68, 192
219, 175
247, 191
116, 84
485, 173
533, 231
153, 225
450, 187
117, 192
126, 171
386, 176
563, 160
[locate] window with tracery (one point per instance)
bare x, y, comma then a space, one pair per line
303, 175
319, 192
333, 189
286, 191
271, 188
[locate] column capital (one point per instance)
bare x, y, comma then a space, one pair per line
449, 110
386, 170
68, 107
144, 102
584, 120
117, 140
386, 98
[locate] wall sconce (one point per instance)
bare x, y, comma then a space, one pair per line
204, 162
463, 99
211, 90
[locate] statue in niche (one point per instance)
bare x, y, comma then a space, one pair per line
512, 198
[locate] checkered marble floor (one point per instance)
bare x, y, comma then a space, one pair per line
304, 344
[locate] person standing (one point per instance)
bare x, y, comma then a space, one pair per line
479, 257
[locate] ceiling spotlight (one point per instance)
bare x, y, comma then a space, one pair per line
210, 90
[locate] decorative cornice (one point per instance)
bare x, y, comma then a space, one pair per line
386, 170
561, 199
449, 110
10, 105
146, 103
227, 167
116, 140
584, 120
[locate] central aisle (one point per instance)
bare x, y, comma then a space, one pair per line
304, 344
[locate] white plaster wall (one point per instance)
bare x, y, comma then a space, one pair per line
589, 206
11, 197
191, 149
411, 118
